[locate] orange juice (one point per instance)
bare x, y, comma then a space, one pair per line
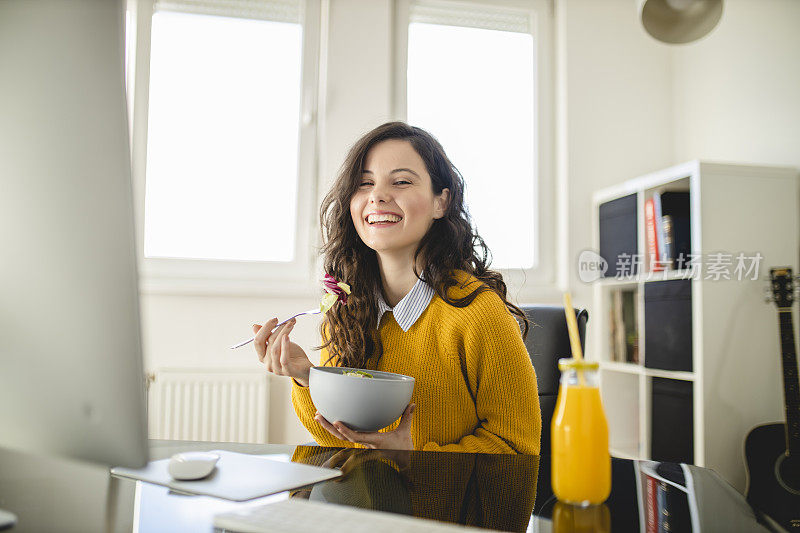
581, 467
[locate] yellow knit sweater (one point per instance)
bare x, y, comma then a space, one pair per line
475, 387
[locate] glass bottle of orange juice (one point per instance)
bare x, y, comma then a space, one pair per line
581, 467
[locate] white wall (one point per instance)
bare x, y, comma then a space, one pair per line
195, 331
359, 77
618, 110
737, 91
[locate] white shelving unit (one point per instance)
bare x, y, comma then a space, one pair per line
736, 371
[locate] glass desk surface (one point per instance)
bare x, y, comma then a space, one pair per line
504, 492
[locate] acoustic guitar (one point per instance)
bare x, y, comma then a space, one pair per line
772, 451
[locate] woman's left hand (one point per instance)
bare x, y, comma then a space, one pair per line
397, 439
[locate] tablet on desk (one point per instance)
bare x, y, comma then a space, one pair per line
237, 477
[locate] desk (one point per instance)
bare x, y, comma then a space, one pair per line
506, 492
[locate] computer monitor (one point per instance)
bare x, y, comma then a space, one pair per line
71, 374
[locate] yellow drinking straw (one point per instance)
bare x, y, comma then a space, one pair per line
574, 337
572, 326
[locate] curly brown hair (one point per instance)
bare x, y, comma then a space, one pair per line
350, 331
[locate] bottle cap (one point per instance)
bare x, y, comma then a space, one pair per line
577, 364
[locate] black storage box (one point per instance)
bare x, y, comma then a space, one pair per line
672, 421
668, 324
618, 233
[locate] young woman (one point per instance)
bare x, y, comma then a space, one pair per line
423, 303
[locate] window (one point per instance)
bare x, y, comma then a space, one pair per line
222, 143
471, 80
229, 141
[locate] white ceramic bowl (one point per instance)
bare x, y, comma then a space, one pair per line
363, 404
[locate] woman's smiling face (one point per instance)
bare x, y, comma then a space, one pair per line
394, 205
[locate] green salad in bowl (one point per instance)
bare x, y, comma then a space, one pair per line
358, 374
369, 403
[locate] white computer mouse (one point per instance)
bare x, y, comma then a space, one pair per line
192, 465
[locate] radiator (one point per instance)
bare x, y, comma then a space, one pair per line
218, 405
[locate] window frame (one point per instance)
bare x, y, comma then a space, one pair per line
225, 277
530, 282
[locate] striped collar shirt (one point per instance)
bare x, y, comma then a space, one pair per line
410, 308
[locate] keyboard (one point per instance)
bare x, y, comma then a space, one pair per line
297, 515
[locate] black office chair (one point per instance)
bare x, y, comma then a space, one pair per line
547, 342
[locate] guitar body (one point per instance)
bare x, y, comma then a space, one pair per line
773, 485
772, 451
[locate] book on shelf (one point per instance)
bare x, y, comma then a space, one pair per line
623, 334
663, 508
657, 214
651, 231
651, 507
668, 256
629, 321
617, 335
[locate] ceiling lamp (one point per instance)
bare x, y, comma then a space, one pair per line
679, 21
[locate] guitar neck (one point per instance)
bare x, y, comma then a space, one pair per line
791, 389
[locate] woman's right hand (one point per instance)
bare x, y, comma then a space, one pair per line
281, 356
348, 458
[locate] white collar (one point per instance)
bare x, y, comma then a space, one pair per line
409, 309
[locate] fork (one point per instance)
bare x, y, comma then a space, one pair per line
314, 311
